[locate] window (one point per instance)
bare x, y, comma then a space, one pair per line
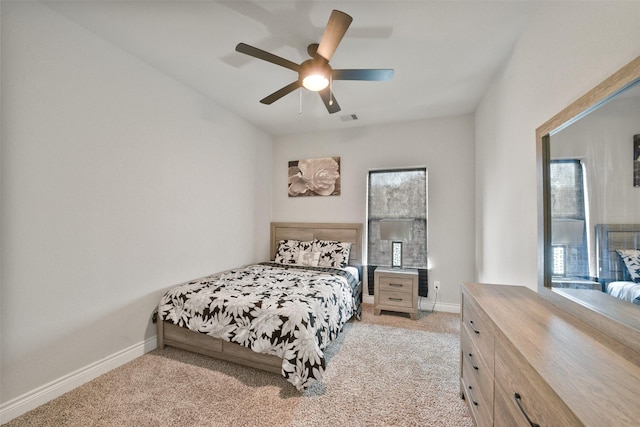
568, 219
397, 194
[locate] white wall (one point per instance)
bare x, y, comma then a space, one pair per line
117, 182
445, 146
565, 50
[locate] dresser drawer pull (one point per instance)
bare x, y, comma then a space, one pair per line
473, 327
471, 397
397, 285
395, 299
518, 401
472, 365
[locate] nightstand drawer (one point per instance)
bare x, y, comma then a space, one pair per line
396, 284
396, 299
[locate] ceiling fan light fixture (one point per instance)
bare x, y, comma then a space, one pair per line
314, 74
315, 82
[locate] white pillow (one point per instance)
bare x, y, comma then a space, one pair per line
308, 258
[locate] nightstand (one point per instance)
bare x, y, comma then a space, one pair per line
395, 290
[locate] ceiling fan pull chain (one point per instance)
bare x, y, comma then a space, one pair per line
300, 111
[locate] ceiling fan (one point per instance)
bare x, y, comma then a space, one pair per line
316, 74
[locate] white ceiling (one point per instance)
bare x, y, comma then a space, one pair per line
445, 53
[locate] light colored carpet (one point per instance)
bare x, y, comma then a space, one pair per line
385, 370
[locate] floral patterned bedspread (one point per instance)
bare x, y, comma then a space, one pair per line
281, 310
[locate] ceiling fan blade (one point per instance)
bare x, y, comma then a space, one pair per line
333, 33
266, 56
327, 98
281, 92
363, 74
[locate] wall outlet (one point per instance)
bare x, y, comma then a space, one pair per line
436, 285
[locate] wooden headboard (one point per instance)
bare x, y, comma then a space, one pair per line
610, 237
305, 231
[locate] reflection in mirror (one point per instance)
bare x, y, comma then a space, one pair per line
593, 202
590, 206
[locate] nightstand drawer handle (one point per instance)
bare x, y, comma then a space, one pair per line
473, 328
518, 401
397, 285
395, 299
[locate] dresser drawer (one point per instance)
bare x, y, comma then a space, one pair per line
480, 329
396, 284
481, 409
396, 299
520, 393
474, 366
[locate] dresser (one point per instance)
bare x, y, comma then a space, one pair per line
526, 362
395, 290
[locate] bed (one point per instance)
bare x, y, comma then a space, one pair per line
618, 259
279, 315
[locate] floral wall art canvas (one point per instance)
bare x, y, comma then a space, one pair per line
314, 177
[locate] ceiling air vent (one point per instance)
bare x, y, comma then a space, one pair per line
349, 117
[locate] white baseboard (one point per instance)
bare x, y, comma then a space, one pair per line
41, 395
427, 305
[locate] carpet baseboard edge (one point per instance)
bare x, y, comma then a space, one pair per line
43, 394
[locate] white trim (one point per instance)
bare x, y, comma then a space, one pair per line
43, 394
427, 305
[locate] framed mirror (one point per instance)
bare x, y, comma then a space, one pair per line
589, 206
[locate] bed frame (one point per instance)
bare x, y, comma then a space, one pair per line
610, 237
176, 336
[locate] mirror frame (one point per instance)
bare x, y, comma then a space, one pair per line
604, 321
